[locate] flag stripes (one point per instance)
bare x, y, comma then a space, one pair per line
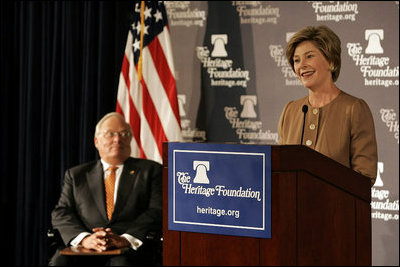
149, 104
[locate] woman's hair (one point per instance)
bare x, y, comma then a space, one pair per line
325, 39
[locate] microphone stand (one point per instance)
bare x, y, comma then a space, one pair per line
304, 109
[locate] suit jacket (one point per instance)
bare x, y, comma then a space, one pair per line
138, 206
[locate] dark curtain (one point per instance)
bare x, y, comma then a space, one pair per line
60, 64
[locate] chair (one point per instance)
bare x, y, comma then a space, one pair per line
54, 242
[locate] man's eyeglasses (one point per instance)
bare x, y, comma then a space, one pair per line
123, 134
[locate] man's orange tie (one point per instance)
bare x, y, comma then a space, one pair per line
109, 183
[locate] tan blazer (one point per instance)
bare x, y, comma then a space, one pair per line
342, 130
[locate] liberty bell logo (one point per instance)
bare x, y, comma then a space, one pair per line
374, 38
378, 181
248, 102
201, 168
219, 41
181, 103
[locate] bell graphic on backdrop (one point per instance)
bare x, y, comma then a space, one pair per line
181, 102
378, 181
219, 41
201, 168
248, 102
374, 38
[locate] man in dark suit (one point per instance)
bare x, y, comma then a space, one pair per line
86, 215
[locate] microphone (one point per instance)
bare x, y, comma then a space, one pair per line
304, 109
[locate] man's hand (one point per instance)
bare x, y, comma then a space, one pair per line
104, 239
96, 241
116, 241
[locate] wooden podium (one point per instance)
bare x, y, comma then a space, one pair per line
320, 215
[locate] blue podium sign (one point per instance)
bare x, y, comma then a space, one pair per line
220, 189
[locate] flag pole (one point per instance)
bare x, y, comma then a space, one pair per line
141, 40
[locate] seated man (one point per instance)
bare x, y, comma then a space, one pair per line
110, 203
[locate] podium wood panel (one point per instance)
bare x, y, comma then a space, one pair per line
220, 250
283, 234
171, 251
320, 215
325, 215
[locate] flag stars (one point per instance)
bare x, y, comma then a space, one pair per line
136, 45
145, 29
153, 18
158, 16
147, 13
137, 28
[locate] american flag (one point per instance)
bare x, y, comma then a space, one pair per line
147, 95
